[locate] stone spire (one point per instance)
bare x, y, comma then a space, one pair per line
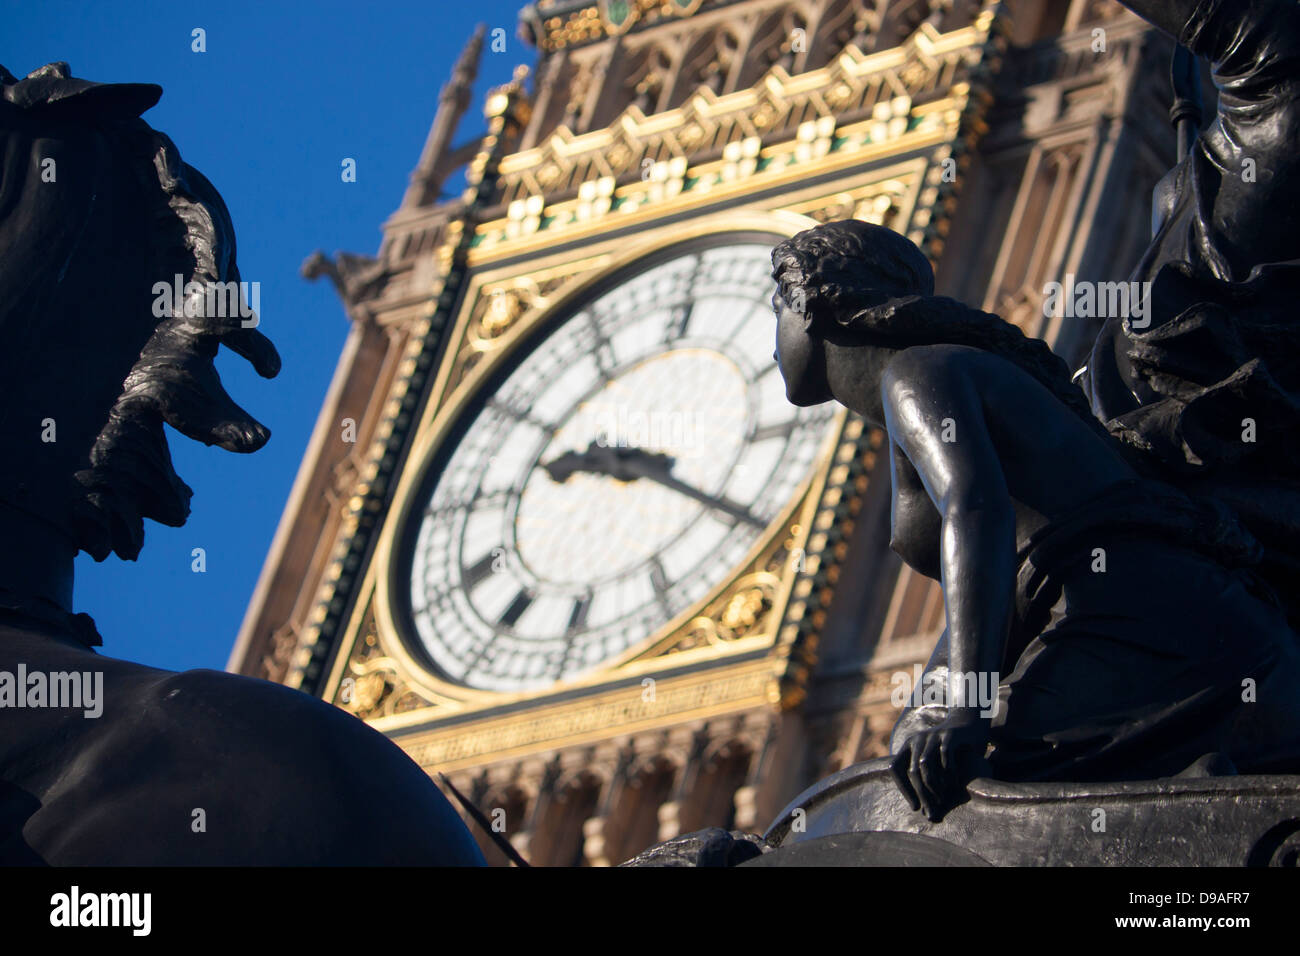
453, 101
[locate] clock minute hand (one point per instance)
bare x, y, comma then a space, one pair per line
628, 464
725, 505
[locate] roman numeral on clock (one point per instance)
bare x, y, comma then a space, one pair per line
516, 609
578, 616
680, 319
479, 570
659, 581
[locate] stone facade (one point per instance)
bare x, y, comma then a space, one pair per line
1016, 143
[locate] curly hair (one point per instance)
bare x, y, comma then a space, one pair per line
841, 267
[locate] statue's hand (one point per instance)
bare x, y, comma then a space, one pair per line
934, 765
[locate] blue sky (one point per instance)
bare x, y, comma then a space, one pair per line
284, 92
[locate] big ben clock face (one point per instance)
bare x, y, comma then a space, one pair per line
617, 469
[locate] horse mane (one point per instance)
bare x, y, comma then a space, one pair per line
127, 474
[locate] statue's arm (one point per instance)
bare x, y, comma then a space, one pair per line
935, 415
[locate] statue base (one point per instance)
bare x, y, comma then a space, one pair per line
858, 817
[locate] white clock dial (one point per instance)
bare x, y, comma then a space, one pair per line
612, 477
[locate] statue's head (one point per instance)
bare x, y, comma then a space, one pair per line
855, 286
825, 277
97, 214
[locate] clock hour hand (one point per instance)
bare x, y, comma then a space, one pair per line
618, 462
627, 464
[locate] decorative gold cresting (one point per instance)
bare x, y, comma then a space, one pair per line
563, 27
713, 147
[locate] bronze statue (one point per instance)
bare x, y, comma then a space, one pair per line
96, 210
1210, 389
1122, 614
1123, 556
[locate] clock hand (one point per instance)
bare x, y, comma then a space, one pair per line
618, 462
562, 468
725, 505
628, 464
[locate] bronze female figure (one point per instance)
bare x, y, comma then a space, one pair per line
1130, 636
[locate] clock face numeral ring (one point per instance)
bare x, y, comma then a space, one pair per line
616, 469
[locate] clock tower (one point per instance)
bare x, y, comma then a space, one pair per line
558, 532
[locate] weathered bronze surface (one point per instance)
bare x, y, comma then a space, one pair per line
1119, 563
